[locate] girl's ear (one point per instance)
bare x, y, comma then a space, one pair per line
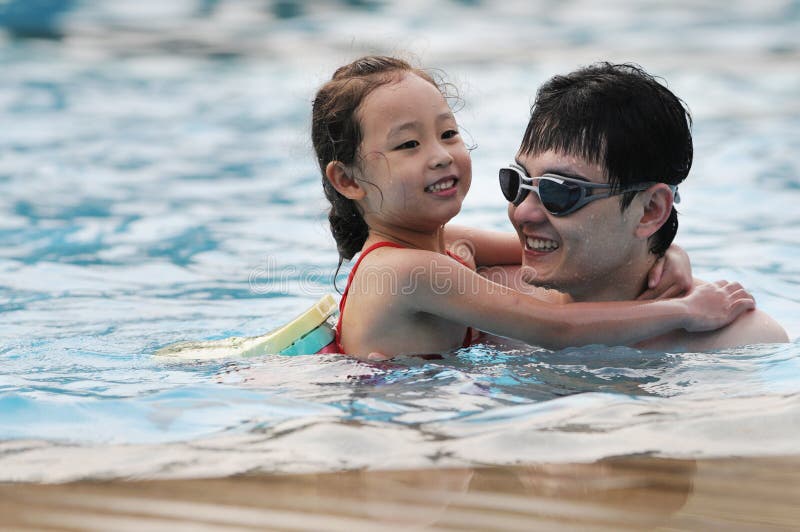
343, 181
657, 206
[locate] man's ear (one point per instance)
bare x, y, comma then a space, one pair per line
343, 181
656, 208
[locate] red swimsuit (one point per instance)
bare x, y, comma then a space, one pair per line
335, 346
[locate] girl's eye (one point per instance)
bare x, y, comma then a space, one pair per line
407, 145
449, 134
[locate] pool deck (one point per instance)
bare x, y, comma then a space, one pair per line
631, 493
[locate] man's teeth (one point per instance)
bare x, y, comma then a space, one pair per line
441, 185
538, 244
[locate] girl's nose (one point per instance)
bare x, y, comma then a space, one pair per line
441, 157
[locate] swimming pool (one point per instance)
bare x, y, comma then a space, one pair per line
157, 185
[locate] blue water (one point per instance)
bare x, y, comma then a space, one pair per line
157, 185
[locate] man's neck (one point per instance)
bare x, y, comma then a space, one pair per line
626, 284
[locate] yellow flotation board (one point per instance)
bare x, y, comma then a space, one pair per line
304, 335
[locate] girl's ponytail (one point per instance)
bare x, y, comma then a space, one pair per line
347, 224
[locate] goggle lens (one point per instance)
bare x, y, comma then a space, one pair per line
558, 197
509, 184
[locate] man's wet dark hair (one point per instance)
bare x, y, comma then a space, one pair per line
620, 117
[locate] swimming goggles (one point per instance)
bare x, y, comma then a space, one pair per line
561, 195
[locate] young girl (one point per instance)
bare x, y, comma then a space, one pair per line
396, 170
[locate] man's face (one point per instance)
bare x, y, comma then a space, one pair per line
586, 252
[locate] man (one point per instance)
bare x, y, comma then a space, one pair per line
612, 144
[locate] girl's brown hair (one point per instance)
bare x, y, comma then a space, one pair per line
336, 136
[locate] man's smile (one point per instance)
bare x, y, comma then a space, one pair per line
540, 244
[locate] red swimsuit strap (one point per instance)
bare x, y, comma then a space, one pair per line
363, 254
459, 259
338, 332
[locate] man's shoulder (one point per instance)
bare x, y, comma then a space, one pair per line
752, 327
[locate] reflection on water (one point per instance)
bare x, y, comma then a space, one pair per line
614, 494
159, 157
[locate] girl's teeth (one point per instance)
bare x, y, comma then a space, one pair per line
441, 186
539, 244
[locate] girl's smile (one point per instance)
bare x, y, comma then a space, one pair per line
445, 187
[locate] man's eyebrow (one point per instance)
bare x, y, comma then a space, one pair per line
556, 171
562, 173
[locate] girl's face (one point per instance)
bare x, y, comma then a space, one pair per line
413, 163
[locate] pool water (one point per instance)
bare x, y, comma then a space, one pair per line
157, 184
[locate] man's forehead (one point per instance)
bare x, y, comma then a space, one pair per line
565, 164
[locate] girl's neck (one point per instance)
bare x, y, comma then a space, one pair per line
430, 241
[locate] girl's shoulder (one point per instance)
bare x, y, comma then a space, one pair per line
401, 263
406, 258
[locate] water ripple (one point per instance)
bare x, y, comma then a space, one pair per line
158, 185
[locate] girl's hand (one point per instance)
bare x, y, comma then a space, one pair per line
671, 276
714, 305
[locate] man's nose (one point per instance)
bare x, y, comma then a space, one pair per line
530, 210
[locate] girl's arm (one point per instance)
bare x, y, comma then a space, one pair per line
446, 288
489, 248
671, 276
511, 275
